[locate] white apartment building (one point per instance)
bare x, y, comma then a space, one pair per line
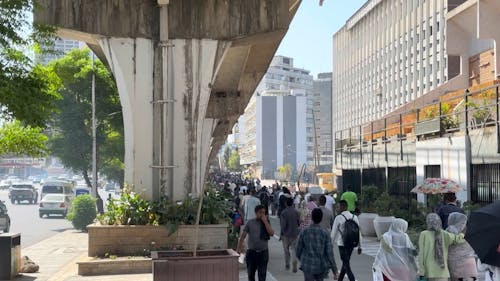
275, 132
282, 77
61, 48
322, 108
388, 53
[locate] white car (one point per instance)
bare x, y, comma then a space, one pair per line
54, 204
5, 184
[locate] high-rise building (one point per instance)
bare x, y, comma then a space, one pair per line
322, 109
61, 47
275, 132
387, 54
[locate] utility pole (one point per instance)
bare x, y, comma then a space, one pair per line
316, 152
94, 134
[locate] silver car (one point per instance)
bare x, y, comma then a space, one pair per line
54, 204
4, 218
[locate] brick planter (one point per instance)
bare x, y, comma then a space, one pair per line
220, 265
133, 240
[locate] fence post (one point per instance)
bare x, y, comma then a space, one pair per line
497, 119
385, 139
371, 140
401, 135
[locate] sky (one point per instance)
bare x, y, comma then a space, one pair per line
309, 38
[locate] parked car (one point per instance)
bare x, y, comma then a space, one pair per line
81, 189
54, 204
5, 184
110, 187
23, 192
4, 218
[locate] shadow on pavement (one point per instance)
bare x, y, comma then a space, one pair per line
25, 278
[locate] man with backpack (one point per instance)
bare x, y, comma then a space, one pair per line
345, 232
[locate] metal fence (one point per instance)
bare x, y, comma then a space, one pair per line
485, 183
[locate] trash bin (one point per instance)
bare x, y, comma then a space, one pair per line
10, 255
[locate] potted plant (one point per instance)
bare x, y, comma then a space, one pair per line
192, 265
385, 206
369, 195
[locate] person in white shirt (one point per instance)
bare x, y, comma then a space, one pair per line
337, 237
249, 206
330, 203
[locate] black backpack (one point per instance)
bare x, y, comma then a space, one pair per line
350, 236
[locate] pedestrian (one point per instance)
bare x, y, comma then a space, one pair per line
327, 221
315, 251
282, 200
306, 212
345, 232
461, 257
250, 203
99, 204
433, 245
290, 221
330, 203
449, 206
259, 232
396, 258
350, 197
264, 198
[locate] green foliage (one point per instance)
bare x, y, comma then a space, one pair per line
16, 139
370, 193
71, 140
386, 205
131, 209
83, 211
233, 164
26, 91
286, 171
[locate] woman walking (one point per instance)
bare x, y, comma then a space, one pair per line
433, 245
396, 259
461, 257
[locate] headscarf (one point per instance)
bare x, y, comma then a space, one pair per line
435, 224
396, 257
456, 223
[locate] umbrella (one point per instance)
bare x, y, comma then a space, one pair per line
483, 233
436, 186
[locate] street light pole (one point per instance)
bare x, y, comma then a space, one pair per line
94, 135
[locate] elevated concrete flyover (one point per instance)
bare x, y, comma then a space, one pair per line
185, 71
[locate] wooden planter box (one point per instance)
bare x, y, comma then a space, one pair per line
221, 265
133, 240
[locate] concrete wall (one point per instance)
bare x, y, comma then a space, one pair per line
452, 154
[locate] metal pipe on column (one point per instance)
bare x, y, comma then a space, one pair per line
167, 124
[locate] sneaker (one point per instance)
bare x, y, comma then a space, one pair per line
294, 270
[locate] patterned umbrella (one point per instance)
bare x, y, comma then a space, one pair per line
436, 186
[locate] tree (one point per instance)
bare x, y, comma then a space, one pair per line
286, 171
72, 138
227, 155
27, 92
233, 164
16, 139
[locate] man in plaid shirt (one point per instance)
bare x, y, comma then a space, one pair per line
315, 250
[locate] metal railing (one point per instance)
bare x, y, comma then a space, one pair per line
455, 112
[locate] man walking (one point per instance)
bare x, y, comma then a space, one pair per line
327, 221
351, 198
290, 221
249, 206
259, 232
345, 232
315, 251
449, 206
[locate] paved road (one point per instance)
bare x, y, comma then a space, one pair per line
25, 220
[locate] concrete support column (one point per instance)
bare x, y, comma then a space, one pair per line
192, 70
132, 63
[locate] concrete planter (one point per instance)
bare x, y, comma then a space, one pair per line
221, 265
366, 224
133, 240
382, 225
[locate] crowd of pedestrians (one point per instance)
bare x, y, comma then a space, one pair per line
312, 225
